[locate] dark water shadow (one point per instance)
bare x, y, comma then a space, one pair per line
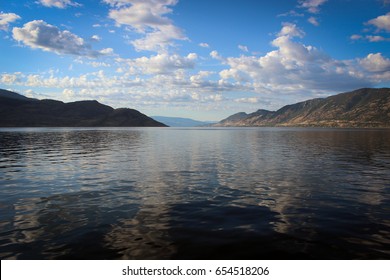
204, 231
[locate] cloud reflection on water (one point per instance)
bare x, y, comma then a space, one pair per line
177, 193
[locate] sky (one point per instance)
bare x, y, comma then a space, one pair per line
201, 59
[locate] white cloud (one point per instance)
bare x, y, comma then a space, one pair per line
311, 5
61, 4
215, 98
147, 17
291, 13
291, 30
32, 94
173, 87
97, 64
204, 45
142, 14
243, 48
6, 19
96, 38
292, 71
376, 38
313, 21
370, 38
295, 67
106, 51
381, 22
10, 79
252, 100
214, 54
41, 35
162, 63
356, 37
68, 93
159, 40
376, 63
200, 80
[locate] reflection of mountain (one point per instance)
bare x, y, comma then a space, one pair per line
195, 194
361, 108
19, 111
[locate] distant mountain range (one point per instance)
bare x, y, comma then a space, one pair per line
367, 107
181, 122
19, 111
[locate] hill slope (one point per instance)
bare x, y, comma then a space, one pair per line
19, 111
365, 107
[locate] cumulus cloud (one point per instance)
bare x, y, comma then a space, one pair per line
96, 38
10, 79
175, 87
381, 22
68, 93
378, 67
311, 5
376, 63
291, 30
147, 17
141, 14
293, 67
201, 80
61, 4
6, 19
214, 54
162, 63
106, 51
252, 100
159, 40
38, 34
50, 80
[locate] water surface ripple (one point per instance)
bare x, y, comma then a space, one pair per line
201, 193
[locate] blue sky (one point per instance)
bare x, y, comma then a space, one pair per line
203, 59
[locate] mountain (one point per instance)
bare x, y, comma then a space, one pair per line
367, 107
235, 118
12, 95
180, 122
19, 111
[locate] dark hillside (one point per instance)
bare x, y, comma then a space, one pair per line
19, 111
367, 107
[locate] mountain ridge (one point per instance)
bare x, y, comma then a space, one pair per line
366, 107
17, 110
181, 122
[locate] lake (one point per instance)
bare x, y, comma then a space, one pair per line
194, 193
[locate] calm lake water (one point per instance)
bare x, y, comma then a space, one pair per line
201, 193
